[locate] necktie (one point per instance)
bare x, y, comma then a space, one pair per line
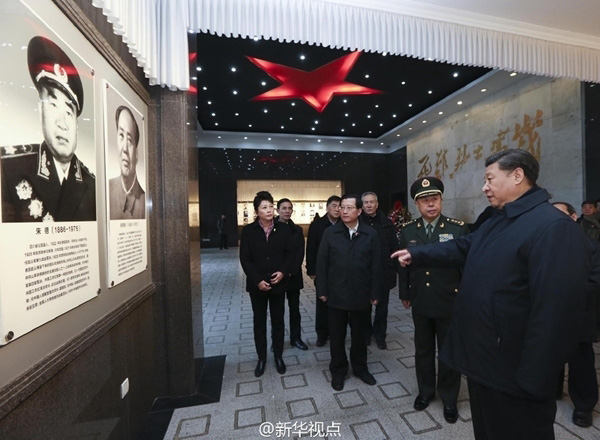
429, 230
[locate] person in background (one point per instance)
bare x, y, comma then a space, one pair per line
522, 299
583, 383
222, 228
431, 293
349, 282
266, 258
315, 233
389, 244
589, 220
285, 208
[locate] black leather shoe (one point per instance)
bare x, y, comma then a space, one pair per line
367, 378
420, 403
260, 368
582, 418
381, 345
280, 365
337, 383
450, 414
299, 344
321, 342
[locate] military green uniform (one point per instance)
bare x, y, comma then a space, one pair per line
431, 291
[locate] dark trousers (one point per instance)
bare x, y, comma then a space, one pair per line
223, 241
293, 297
500, 416
379, 328
276, 304
427, 330
583, 383
359, 325
597, 315
321, 320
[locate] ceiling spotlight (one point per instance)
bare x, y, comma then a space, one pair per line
296, 140
342, 130
209, 102
382, 143
370, 131
409, 128
381, 124
293, 104
410, 105
483, 90
194, 78
455, 74
346, 114
233, 69
459, 102
302, 57
199, 69
424, 121
312, 128
263, 83
341, 142
268, 139
218, 137
384, 54
369, 116
398, 135
362, 142
430, 92
376, 105
291, 119
237, 114
216, 123
204, 88
235, 92
513, 74
367, 75
318, 140
344, 101
265, 111
403, 83
440, 113
282, 127
394, 115
255, 38
354, 124
245, 137
316, 121
213, 114
249, 125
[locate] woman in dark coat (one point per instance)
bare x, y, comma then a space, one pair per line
266, 260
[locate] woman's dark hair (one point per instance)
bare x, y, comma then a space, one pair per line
511, 159
570, 208
260, 196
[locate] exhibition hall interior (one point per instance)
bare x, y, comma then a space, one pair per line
124, 310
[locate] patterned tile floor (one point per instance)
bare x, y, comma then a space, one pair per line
303, 399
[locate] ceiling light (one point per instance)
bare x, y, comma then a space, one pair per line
341, 142
398, 135
237, 114
209, 102
291, 119
245, 137
369, 116
218, 137
302, 57
384, 54
403, 83
342, 129
455, 74
354, 124
483, 90
424, 121
370, 131
381, 124
250, 125
293, 104
263, 83
367, 75
376, 105
268, 139
394, 115
316, 121
282, 127
233, 69
409, 128
410, 105
346, 115
344, 101
312, 128
216, 123
513, 74
459, 102
187, 123
440, 113
255, 38
361, 142
213, 114
204, 88
235, 92
296, 140
318, 140
265, 111
430, 92
382, 143
199, 69
194, 78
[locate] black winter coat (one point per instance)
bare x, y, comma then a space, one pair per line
297, 248
389, 244
349, 271
522, 296
261, 258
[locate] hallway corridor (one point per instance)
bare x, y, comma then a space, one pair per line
303, 396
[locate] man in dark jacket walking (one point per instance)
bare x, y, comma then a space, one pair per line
349, 282
431, 292
389, 244
295, 284
522, 299
315, 233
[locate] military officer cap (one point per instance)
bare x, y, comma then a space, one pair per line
426, 186
49, 64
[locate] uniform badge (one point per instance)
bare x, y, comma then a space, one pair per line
446, 237
412, 243
425, 183
43, 170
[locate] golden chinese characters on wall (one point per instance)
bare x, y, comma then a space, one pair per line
523, 136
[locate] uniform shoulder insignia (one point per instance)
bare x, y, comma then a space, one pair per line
409, 223
456, 222
86, 170
18, 150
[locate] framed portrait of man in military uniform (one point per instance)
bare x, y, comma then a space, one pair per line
125, 151
48, 228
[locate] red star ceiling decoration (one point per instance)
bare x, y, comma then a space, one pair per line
316, 87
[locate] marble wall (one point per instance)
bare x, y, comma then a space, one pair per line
541, 115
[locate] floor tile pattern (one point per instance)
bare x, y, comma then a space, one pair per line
301, 403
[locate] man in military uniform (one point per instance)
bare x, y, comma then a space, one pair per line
127, 198
431, 291
48, 182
